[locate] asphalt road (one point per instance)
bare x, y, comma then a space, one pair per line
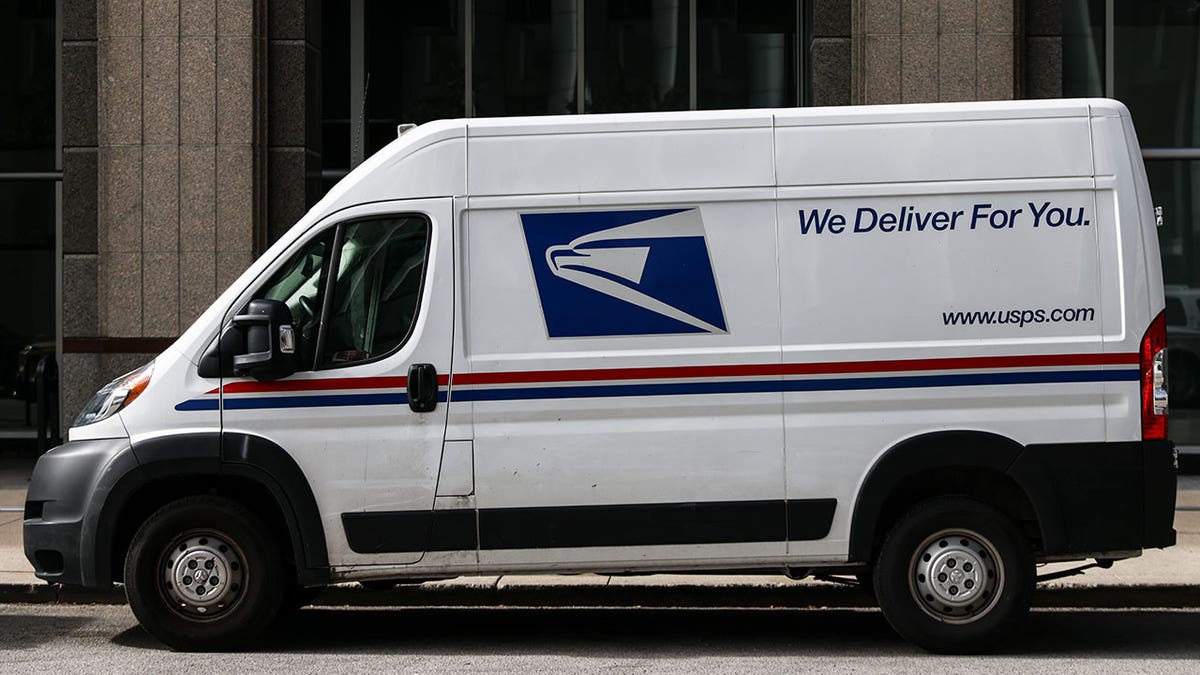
65, 638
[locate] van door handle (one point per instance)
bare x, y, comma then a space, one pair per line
422, 387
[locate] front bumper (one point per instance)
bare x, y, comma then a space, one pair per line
63, 510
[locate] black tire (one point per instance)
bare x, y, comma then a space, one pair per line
980, 577
204, 612
866, 582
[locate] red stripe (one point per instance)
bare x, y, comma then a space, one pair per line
775, 370
964, 363
322, 384
670, 372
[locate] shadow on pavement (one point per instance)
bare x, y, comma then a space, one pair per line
676, 633
137, 638
30, 631
1110, 634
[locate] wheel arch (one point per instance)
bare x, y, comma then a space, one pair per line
247, 468
922, 467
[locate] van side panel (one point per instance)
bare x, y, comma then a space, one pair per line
663, 156
981, 311
626, 408
928, 151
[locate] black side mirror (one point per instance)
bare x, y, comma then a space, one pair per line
269, 338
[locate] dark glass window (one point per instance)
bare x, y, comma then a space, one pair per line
1082, 47
524, 57
414, 66
377, 289
28, 144
27, 208
1155, 57
27, 85
1173, 185
746, 54
636, 55
335, 89
1183, 363
27, 258
1176, 314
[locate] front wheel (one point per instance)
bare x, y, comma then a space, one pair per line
203, 573
955, 576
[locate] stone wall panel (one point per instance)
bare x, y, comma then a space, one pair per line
949, 50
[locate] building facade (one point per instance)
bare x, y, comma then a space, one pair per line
150, 149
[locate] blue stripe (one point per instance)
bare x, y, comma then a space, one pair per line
678, 389
964, 380
199, 404
772, 386
315, 401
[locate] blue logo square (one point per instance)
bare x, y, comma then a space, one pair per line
641, 272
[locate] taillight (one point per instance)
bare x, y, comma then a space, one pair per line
1154, 379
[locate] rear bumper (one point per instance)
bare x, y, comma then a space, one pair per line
1161, 466
1098, 498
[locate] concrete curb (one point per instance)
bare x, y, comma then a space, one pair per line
651, 596
42, 593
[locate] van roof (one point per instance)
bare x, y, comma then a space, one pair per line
432, 159
866, 114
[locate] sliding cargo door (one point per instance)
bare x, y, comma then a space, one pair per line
622, 359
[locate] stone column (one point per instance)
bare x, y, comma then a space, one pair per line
830, 52
79, 242
179, 175
915, 51
293, 112
1043, 49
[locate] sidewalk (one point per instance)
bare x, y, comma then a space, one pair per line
1159, 578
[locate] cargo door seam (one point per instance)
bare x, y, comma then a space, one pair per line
779, 332
1104, 346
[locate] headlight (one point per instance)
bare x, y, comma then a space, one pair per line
115, 395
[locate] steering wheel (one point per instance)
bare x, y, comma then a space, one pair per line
307, 304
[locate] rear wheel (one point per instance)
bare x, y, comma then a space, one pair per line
203, 573
954, 576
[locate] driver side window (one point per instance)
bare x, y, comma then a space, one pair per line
376, 290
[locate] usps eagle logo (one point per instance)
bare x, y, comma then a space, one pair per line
642, 272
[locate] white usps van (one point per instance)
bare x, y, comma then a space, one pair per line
921, 345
